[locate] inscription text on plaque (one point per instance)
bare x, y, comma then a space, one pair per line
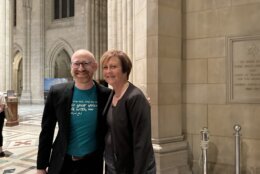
244, 69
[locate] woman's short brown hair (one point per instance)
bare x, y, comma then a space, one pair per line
123, 58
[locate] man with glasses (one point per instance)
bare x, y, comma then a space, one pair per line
77, 108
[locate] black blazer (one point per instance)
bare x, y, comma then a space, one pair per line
57, 110
131, 133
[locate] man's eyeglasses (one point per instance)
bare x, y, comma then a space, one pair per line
84, 64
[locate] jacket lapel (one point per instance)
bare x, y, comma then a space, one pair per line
68, 94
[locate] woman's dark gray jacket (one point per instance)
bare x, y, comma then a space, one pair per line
131, 132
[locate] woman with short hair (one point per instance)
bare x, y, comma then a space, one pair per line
128, 147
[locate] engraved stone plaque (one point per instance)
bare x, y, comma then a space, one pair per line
244, 69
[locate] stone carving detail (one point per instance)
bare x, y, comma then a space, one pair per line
253, 50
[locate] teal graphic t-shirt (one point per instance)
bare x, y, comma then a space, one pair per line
83, 122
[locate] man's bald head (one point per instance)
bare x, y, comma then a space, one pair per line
83, 53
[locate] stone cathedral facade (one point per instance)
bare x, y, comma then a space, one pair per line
198, 61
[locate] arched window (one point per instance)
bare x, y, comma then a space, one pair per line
63, 8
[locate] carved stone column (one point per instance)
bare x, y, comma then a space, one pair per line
5, 45
2, 45
150, 33
96, 28
164, 83
120, 26
26, 92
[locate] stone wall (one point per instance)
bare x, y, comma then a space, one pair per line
210, 56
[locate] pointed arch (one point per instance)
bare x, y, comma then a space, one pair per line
60, 46
17, 80
62, 65
17, 69
17, 48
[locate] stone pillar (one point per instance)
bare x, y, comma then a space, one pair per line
88, 25
120, 26
8, 44
111, 15
2, 45
5, 45
103, 26
36, 52
129, 29
150, 32
163, 38
26, 92
96, 28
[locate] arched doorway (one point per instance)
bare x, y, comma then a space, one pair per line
17, 80
62, 65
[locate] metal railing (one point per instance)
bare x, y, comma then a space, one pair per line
237, 135
204, 146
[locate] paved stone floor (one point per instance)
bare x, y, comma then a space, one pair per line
21, 142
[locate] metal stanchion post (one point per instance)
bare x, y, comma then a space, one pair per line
204, 146
237, 135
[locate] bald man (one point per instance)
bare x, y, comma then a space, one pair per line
77, 108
